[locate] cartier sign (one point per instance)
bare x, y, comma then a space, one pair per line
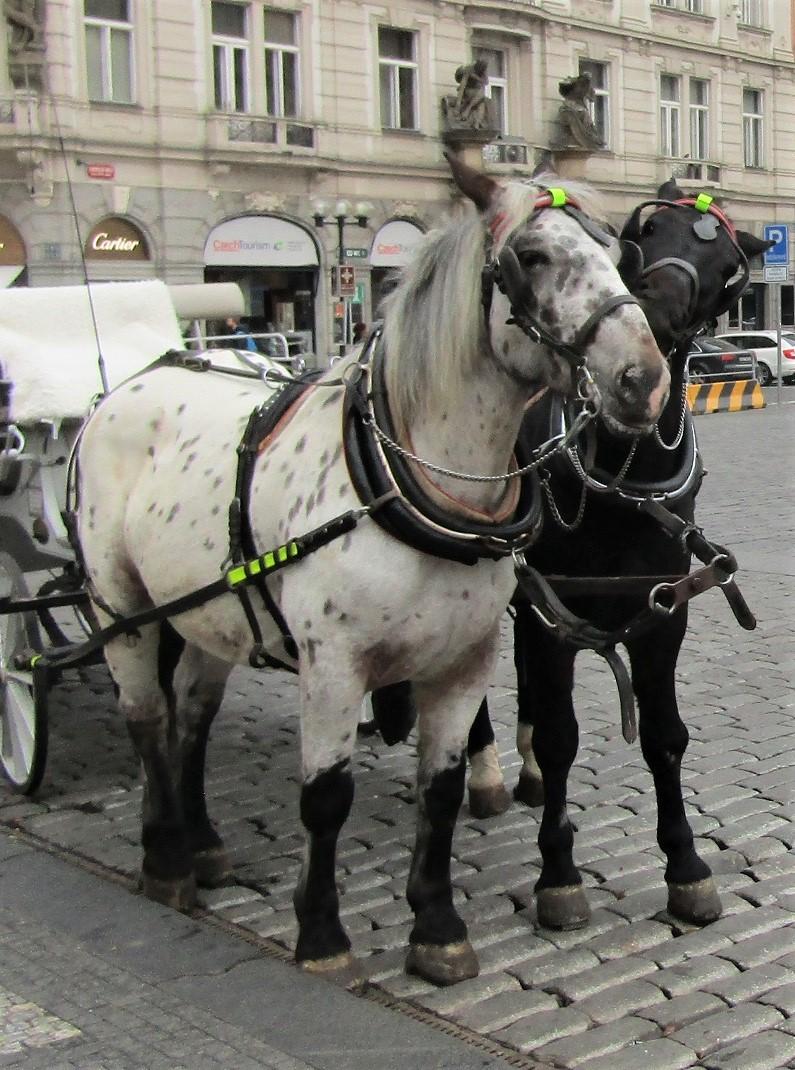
114, 238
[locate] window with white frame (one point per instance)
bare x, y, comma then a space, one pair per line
109, 41
752, 127
230, 56
281, 64
751, 12
497, 71
670, 96
397, 69
699, 119
599, 106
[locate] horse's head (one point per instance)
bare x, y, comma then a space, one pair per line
685, 262
555, 303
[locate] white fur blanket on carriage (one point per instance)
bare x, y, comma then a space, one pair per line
48, 347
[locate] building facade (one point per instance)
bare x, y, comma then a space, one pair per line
271, 142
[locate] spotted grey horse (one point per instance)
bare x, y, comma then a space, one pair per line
157, 471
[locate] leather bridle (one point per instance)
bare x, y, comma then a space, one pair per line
505, 272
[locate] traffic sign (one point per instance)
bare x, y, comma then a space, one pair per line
778, 253
355, 252
776, 273
346, 281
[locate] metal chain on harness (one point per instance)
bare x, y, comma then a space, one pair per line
592, 404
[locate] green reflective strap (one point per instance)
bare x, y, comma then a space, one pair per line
703, 201
35, 658
269, 561
558, 196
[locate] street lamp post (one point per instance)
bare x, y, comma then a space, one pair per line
342, 213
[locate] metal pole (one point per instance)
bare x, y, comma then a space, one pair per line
779, 361
340, 262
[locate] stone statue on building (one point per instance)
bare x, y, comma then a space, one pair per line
470, 109
25, 35
575, 127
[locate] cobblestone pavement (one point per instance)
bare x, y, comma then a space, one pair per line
635, 989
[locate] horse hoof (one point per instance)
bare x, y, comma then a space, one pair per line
488, 802
443, 964
563, 908
343, 969
179, 893
697, 902
211, 867
529, 790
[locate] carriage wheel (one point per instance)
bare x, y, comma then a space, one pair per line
23, 707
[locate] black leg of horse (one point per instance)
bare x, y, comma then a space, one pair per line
440, 950
692, 895
560, 898
326, 801
199, 690
487, 794
530, 787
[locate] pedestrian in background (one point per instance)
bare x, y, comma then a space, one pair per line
242, 339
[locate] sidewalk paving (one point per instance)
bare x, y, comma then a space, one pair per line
92, 977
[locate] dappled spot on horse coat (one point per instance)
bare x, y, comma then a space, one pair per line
310, 505
189, 461
181, 408
136, 388
216, 509
300, 445
343, 490
208, 544
172, 513
331, 398
346, 543
310, 645
328, 607
292, 513
151, 451
217, 482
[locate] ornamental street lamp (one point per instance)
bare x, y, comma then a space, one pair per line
344, 277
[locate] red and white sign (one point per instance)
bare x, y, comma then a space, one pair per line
100, 170
346, 281
395, 243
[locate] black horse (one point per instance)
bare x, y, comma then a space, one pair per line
619, 520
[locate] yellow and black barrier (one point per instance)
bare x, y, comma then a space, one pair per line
725, 397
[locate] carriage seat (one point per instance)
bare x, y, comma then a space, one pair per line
48, 347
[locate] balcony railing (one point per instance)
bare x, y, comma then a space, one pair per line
509, 152
246, 130
692, 172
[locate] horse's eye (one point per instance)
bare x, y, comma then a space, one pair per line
648, 227
530, 259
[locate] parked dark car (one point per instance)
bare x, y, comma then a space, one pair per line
711, 360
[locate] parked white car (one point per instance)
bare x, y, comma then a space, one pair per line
763, 343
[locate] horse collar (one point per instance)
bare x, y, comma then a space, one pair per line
413, 515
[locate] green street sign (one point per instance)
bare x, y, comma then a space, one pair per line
355, 253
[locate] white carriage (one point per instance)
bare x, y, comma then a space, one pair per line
53, 341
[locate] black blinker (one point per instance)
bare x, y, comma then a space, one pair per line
630, 264
631, 229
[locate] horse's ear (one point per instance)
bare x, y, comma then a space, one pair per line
473, 184
752, 246
669, 191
